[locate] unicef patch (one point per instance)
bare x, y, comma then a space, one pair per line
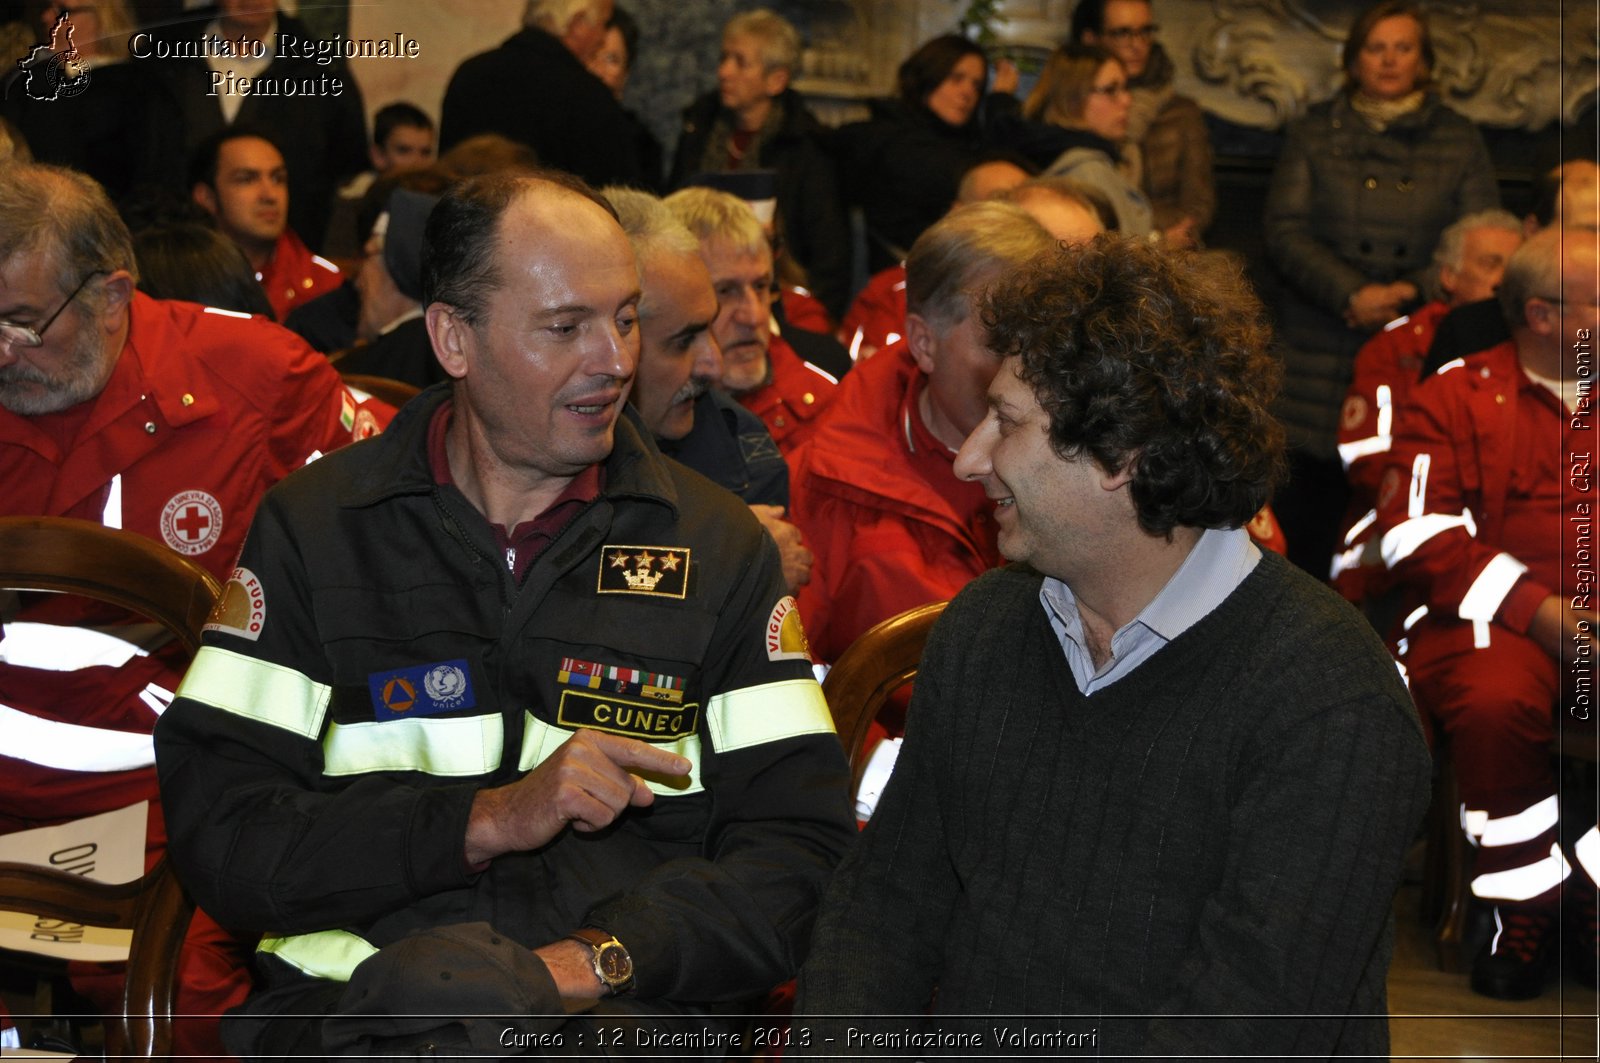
421, 690
191, 522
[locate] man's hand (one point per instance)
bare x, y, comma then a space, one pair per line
796, 558
571, 965
1375, 305
585, 783
1181, 236
1561, 629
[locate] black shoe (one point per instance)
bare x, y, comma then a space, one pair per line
1516, 961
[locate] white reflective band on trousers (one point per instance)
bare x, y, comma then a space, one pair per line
72, 746
1588, 853
1524, 826
56, 648
1523, 883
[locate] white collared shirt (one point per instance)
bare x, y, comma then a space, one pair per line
1219, 562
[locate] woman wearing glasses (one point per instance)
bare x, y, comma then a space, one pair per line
1365, 184
1083, 92
1168, 149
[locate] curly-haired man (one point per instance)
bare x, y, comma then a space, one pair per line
1153, 776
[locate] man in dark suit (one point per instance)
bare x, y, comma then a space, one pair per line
534, 88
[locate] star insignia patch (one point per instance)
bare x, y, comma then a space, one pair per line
653, 570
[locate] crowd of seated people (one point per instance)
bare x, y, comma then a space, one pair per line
1408, 306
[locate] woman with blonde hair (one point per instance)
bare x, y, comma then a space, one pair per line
1083, 93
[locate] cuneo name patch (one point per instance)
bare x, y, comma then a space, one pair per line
650, 721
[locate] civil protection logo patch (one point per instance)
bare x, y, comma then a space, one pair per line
421, 690
662, 571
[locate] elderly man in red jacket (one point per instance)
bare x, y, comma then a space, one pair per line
1487, 513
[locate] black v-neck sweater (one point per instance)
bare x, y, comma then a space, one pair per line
1219, 833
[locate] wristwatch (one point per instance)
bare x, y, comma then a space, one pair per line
612, 964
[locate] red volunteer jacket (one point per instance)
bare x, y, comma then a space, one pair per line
790, 402
887, 536
878, 316
1472, 506
295, 276
204, 411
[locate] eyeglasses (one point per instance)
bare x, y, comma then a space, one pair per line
1124, 34
24, 336
1111, 91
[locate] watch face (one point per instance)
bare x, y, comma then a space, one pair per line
614, 964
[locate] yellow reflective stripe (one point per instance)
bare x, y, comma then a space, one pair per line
257, 690
469, 745
752, 716
540, 740
331, 954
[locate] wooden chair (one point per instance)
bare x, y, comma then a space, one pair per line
154, 908
395, 392
872, 668
81, 557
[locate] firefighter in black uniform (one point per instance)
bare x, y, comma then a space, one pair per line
503, 712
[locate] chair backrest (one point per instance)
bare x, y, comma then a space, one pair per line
872, 668
154, 908
129, 570
81, 557
395, 392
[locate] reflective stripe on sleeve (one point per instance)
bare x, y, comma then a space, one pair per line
1526, 882
755, 715
1417, 497
1401, 541
1363, 448
1483, 598
330, 954
111, 516
1524, 826
257, 690
1382, 436
461, 746
58, 648
540, 740
72, 746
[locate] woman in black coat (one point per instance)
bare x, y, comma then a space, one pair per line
904, 164
1366, 183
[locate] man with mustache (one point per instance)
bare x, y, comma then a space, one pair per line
680, 367
529, 726
758, 368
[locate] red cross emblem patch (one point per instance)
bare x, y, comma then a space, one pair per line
191, 522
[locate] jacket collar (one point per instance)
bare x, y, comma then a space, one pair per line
635, 467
